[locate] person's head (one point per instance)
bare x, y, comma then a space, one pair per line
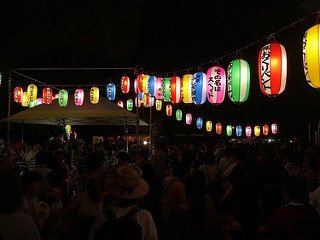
56, 178
32, 183
295, 189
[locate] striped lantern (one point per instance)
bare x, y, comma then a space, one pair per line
178, 115
272, 66
78, 97
137, 102
145, 84
238, 131
33, 104
265, 130
147, 100
216, 86
188, 118
125, 84
47, 95
229, 130
139, 82
257, 131
199, 88
186, 88
238, 80
248, 131
135, 86
94, 95
63, 98
151, 101
111, 91
209, 126
32, 92
39, 101
120, 104
175, 89
218, 128
274, 128
169, 110
17, 94
129, 104
158, 105
166, 89
25, 100
311, 55
199, 123
152, 85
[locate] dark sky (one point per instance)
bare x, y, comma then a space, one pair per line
161, 36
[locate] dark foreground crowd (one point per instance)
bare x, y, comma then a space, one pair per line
188, 191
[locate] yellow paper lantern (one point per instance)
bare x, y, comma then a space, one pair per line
94, 95
32, 92
257, 131
25, 100
158, 105
209, 126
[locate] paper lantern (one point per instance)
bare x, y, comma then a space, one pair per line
145, 84
137, 102
55, 96
158, 105
152, 85
272, 66
248, 131
141, 96
209, 126
63, 98
158, 88
178, 115
25, 100
125, 84
120, 104
218, 128
111, 91
78, 97
135, 86
238, 80
199, 123
39, 101
199, 88
186, 88
94, 95
311, 55
151, 101
175, 89
274, 128
257, 131
129, 104
32, 92
47, 95
139, 82
169, 110
229, 130
33, 104
17, 94
238, 131
166, 89
216, 86
265, 130
147, 100
188, 118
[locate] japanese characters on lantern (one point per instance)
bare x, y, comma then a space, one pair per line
186, 88
94, 95
63, 98
188, 118
125, 84
17, 94
265, 130
169, 110
32, 92
129, 104
218, 128
178, 115
111, 91
199, 123
216, 85
274, 128
209, 126
199, 88
47, 95
248, 131
78, 97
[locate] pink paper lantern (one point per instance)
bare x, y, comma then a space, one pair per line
78, 97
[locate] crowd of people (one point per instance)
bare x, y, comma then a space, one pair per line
227, 190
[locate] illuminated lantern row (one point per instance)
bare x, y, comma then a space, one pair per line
78, 97
188, 118
199, 88
94, 95
257, 131
186, 88
178, 115
17, 94
238, 80
238, 131
199, 123
218, 128
63, 98
229, 130
47, 95
272, 68
248, 131
274, 128
111, 91
129, 104
125, 84
120, 104
311, 55
25, 100
158, 105
169, 110
166, 90
216, 86
175, 90
209, 126
32, 92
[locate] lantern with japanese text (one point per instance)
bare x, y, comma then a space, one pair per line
47, 95
218, 128
175, 89
274, 128
216, 85
272, 64
229, 130
139, 82
125, 84
137, 102
311, 55
111, 91
32, 92
158, 105
78, 97
17, 94
257, 131
166, 89
25, 100
169, 110
199, 88
188, 118
238, 131
199, 123
94, 95
209, 126
129, 104
248, 131
238, 80
186, 88
120, 104
265, 130
178, 115
63, 98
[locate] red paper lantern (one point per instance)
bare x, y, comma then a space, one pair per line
47, 95
169, 110
218, 128
17, 94
120, 104
265, 130
175, 89
125, 84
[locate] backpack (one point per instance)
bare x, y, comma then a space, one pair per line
121, 228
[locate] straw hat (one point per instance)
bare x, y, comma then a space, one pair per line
128, 183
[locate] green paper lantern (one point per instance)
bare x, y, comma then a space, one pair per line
129, 104
63, 98
229, 130
179, 115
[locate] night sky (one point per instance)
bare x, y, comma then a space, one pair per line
172, 36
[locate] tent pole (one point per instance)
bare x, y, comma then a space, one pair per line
9, 106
